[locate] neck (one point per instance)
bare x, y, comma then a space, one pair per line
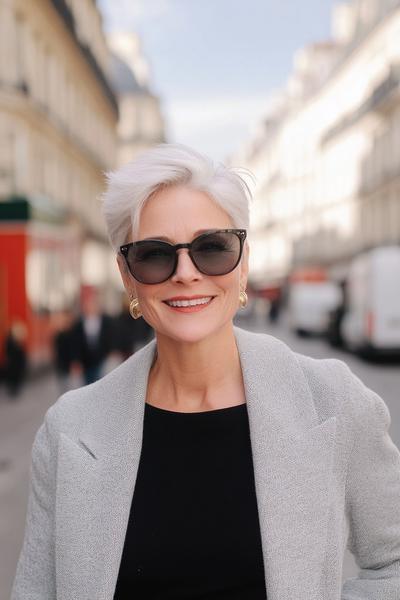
193, 377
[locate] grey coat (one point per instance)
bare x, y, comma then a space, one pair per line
327, 474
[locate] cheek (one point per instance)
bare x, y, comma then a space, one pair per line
149, 301
230, 286
144, 295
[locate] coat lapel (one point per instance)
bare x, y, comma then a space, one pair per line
96, 480
292, 455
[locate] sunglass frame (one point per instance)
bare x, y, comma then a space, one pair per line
124, 250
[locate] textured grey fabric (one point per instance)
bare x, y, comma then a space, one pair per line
326, 472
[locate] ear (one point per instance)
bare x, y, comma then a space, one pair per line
244, 267
127, 279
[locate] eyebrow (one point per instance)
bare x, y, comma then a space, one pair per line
163, 238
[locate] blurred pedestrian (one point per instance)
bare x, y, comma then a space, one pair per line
275, 307
62, 349
129, 334
215, 462
91, 339
15, 368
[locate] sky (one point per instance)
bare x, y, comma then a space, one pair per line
215, 63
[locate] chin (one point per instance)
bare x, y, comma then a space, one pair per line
192, 333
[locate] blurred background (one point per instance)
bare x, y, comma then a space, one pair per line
305, 97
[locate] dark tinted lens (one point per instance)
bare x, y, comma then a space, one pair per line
216, 253
151, 262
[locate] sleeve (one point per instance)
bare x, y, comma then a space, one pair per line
35, 575
373, 500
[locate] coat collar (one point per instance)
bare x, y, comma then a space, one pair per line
282, 404
292, 457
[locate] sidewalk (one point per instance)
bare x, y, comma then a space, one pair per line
20, 418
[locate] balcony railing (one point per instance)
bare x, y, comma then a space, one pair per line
379, 100
68, 18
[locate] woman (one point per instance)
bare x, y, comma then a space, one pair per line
214, 463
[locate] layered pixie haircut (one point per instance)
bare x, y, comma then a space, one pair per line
166, 165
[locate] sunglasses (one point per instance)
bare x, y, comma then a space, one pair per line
215, 252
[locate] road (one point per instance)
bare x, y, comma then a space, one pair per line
20, 419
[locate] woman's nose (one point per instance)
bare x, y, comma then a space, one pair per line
185, 269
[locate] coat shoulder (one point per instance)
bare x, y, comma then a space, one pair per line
333, 378
335, 389
326, 372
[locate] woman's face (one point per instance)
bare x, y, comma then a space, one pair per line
179, 214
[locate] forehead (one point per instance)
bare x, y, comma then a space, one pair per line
180, 211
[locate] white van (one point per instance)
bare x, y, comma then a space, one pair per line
310, 304
371, 323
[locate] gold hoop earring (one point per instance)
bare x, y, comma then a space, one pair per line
134, 309
243, 299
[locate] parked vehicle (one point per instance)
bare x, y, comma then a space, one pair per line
371, 324
310, 304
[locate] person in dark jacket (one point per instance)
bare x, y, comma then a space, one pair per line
91, 339
15, 358
62, 349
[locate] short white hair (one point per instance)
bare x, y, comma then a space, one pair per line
129, 187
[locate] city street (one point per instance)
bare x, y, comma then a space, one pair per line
126, 125
19, 420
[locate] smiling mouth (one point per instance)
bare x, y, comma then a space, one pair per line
193, 305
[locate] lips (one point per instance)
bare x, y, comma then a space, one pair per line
194, 297
181, 301
188, 303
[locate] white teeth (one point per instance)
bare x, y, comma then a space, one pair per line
189, 302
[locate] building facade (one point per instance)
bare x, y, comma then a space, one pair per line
58, 135
141, 124
58, 113
327, 156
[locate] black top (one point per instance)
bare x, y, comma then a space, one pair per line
193, 529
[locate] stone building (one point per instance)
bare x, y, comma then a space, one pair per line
58, 112
58, 135
327, 155
141, 123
